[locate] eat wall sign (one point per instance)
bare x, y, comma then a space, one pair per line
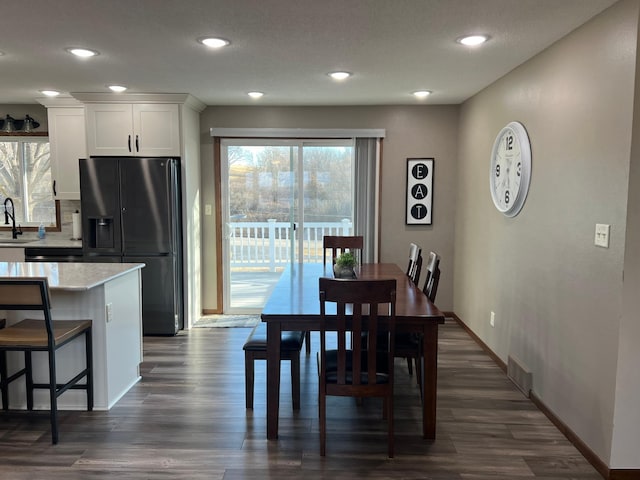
419, 191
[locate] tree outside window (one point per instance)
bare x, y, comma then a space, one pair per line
25, 176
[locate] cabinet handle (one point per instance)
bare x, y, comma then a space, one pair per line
137, 144
129, 142
54, 189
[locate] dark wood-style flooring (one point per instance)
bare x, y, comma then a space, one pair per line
186, 419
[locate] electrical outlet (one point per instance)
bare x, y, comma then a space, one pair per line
602, 235
492, 320
109, 311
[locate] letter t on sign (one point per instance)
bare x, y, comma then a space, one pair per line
419, 191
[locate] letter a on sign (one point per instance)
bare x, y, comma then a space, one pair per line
419, 191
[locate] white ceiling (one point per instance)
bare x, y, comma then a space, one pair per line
281, 47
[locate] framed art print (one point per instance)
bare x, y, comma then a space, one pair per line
419, 191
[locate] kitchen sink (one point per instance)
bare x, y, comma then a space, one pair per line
16, 240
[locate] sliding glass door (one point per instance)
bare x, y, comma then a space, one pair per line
280, 197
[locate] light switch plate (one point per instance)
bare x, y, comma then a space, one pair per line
207, 209
602, 235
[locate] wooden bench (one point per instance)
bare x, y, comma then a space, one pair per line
255, 348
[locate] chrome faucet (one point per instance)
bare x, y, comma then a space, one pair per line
14, 231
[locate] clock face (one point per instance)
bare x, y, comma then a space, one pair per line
510, 169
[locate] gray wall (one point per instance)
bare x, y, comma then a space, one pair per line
626, 435
556, 296
411, 131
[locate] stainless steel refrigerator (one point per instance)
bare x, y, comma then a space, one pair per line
131, 212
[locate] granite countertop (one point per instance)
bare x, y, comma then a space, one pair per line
31, 240
69, 276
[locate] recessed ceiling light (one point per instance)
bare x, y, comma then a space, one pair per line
421, 93
50, 93
339, 75
117, 88
82, 52
255, 94
473, 40
214, 42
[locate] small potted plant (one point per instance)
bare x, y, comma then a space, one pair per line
345, 264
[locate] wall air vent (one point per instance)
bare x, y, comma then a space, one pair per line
520, 375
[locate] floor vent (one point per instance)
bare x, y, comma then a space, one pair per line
519, 375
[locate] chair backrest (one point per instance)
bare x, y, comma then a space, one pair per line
358, 305
415, 262
27, 294
433, 276
340, 244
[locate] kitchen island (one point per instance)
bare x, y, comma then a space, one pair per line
110, 295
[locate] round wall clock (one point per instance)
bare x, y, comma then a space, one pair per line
510, 169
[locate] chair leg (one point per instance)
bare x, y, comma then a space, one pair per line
389, 403
53, 397
322, 407
4, 386
419, 372
248, 379
295, 381
307, 342
89, 354
28, 378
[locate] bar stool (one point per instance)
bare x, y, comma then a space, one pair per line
32, 335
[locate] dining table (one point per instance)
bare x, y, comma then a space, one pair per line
294, 304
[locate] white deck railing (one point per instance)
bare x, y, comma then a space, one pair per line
268, 244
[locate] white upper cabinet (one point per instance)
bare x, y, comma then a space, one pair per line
67, 145
122, 129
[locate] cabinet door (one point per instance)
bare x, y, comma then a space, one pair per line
67, 143
109, 129
11, 254
156, 129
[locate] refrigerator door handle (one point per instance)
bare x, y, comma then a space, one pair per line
173, 189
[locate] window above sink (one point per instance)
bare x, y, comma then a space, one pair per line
25, 176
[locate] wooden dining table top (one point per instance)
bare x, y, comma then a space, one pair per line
296, 295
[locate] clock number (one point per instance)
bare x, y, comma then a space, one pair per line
498, 170
509, 142
519, 168
506, 197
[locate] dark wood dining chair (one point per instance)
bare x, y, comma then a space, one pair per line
362, 370
430, 288
336, 245
341, 244
409, 345
415, 262
41, 335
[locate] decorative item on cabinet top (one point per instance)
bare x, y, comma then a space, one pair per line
10, 125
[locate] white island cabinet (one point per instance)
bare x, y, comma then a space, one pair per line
110, 295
